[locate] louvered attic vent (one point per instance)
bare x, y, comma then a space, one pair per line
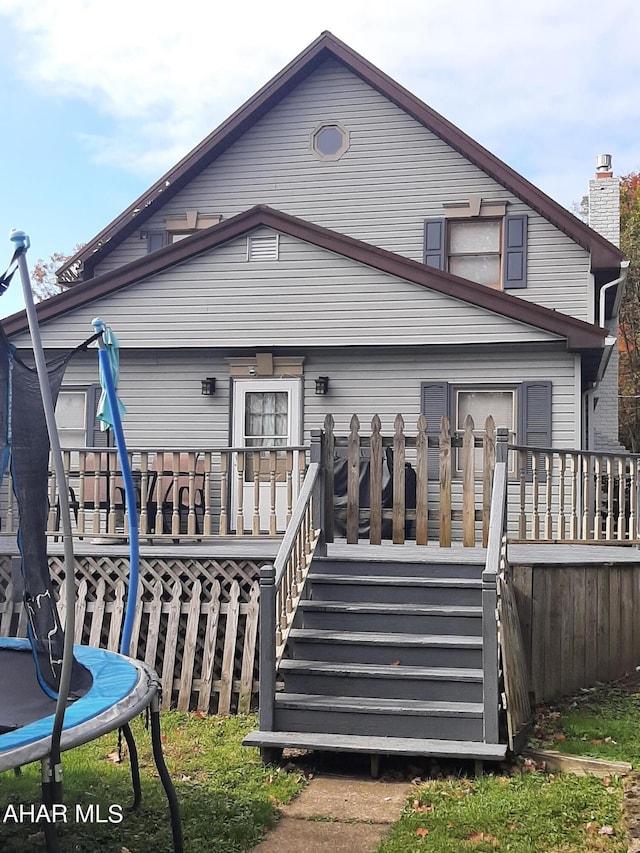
264, 248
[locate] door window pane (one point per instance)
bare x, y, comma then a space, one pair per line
266, 418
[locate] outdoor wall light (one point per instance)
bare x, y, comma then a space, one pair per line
208, 386
322, 384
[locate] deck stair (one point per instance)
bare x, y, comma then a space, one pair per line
385, 657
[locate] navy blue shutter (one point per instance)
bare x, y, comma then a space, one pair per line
434, 238
434, 404
156, 240
515, 252
534, 421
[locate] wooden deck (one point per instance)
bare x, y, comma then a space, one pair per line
234, 547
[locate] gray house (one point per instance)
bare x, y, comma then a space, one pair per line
336, 226
337, 248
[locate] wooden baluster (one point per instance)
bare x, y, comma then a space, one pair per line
302, 469
522, 517
97, 465
488, 466
573, 509
240, 454
535, 515
273, 470
175, 495
561, 521
399, 493
622, 500
82, 464
143, 521
597, 522
587, 509
445, 484
289, 478
111, 492
422, 480
53, 498
224, 492
353, 482
610, 523
256, 458
375, 482
468, 483
329, 474
160, 492
191, 514
206, 520
548, 518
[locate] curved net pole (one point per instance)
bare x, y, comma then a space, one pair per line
21, 240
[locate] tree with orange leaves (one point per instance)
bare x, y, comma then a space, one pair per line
629, 337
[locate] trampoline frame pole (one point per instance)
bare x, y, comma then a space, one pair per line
55, 765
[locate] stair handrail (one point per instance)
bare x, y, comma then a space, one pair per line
282, 582
496, 549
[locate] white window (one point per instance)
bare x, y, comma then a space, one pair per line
475, 250
500, 403
71, 417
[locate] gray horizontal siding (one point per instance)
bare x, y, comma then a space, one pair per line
308, 297
161, 389
394, 174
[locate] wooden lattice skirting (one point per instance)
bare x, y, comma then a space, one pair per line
197, 624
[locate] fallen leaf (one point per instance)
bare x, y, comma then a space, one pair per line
596, 741
512, 826
482, 837
606, 830
450, 824
610, 740
422, 832
559, 737
114, 757
606, 781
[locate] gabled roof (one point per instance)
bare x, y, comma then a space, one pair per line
604, 255
579, 335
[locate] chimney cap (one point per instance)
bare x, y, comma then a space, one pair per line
603, 163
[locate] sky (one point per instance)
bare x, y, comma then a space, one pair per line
99, 99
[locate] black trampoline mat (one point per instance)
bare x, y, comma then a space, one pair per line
22, 700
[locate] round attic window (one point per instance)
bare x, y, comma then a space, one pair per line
329, 141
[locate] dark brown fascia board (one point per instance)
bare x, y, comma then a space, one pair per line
579, 335
604, 255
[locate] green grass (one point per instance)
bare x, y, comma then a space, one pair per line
535, 812
603, 723
228, 798
526, 813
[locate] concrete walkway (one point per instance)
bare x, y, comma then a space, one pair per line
339, 814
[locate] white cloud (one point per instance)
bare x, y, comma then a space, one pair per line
501, 70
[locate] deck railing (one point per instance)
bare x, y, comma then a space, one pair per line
181, 494
427, 486
574, 496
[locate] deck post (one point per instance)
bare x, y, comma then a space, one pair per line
318, 500
502, 450
267, 647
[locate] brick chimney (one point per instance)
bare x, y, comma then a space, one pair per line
604, 200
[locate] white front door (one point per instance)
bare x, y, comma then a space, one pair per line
266, 414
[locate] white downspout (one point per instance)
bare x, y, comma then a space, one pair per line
609, 343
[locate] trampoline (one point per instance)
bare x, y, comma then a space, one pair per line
58, 695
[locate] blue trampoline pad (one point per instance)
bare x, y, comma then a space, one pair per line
121, 688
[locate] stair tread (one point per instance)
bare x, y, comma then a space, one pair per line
363, 704
381, 638
390, 580
384, 607
378, 744
382, 670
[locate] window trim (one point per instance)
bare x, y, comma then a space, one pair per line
513, 251
342, 150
